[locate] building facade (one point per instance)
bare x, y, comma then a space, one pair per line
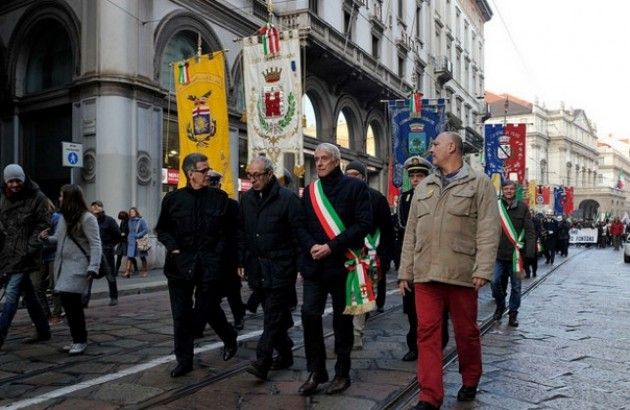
562, 150
99, 73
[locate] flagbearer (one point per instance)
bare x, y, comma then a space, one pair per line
338, 217
518, 240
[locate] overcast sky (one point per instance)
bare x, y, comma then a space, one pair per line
576, 51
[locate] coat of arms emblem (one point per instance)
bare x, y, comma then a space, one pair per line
276, 110
203, 126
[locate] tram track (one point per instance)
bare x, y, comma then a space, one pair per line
408, 395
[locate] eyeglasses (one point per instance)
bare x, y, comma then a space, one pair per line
256, 175
203, 171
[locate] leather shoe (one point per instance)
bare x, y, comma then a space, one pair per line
498, 312
410, 356
423, 405
281, 362
310, 385
512, 319
467, 393
257, 370
181, 369
338, 384
229, 350
37, 338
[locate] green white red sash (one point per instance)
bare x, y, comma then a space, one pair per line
374, 263
516, 239
359, 293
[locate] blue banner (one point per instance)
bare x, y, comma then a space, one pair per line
413, 136
494, 162
558, 201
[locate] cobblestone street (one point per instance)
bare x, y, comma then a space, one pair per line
569, 352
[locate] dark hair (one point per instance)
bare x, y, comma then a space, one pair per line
190, 162
72, 206
137, 212
123, 215
508, 182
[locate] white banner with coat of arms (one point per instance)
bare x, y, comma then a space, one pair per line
273, 95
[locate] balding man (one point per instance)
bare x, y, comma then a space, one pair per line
449, 252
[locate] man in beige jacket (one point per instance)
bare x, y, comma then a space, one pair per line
449, 251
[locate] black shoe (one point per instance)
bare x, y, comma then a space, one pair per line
513, 321
338, 384
113, 302
534, 275
310, 385
423, 405
229, 350
37, 338
380, 309
239, 323
467, 393
282, 362
410, 356
498, 312
181, 369
257, 370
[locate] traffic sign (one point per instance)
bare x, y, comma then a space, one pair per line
72, 154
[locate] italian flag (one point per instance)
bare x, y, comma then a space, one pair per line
270, 40
415, 104
360, 296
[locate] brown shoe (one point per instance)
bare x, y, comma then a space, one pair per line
338, 384
310, 385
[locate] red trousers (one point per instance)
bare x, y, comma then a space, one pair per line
461, 302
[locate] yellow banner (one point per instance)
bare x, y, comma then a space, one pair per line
531, 192
202, 114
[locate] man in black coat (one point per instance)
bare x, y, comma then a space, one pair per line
383, 229
193, 226
521, 220
324, 271
271, 222
110, 237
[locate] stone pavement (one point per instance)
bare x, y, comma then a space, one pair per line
136, 284
572, 348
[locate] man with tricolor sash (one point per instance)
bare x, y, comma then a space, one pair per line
518, 241
449, 251
338, 217
378, 247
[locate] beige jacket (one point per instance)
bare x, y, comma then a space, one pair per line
452, 233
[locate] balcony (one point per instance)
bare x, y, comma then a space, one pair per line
443, 69
473, 141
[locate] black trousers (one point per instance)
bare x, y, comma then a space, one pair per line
313, 305
276, 325
531, 265
232, 291
381, 285
209, 307
73, 306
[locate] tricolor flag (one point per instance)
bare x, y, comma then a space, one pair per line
415, 104
270, 39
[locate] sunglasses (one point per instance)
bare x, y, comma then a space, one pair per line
256, 175
203, 171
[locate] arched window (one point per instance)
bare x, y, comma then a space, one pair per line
374, 138
344, 129
50, 61
310, 116
181, 46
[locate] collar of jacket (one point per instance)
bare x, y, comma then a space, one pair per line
512, 205
466, 175
331, 179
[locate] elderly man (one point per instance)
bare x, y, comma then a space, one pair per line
449, 250
518, 240
338, 217
194, 227
24, 214
271, 222
378, 246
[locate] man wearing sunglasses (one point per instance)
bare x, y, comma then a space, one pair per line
194, 226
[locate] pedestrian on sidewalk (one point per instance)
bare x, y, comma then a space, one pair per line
616, 230
137, 229
77, 260
194, 227
378, 247
44, 279
24, 214
121, 248
338, 217
110, 237
271, 222
450, 246
518, 241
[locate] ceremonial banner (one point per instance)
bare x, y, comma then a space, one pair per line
505, 151
568, 200
558, 200
393, 192
543, 195
202, 114
531, 193
273, 95
412, 135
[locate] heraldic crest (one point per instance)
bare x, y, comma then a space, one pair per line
203, 126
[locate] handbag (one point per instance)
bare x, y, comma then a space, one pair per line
103, 268
142, 243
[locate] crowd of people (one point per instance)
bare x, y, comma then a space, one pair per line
448, 236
